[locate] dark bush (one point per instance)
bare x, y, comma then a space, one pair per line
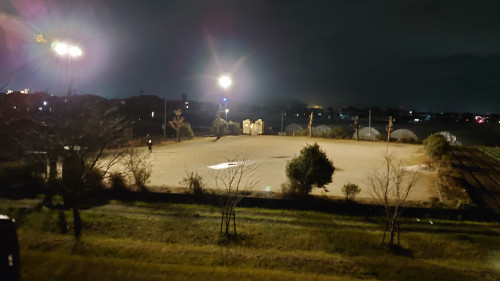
350, 191
186, 131
311, 168
195, 183
223, 127
407, 140
436, 145
233, 128
19, 179
93, 180
338, 133
301, 132
118, 183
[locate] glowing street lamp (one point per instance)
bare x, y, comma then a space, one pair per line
71, 51
63, 49
225, 81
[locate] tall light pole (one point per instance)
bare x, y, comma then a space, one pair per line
70, 51
225, 83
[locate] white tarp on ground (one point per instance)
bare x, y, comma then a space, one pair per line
404, 134
292, 128
321, 130
450, 138
366, 134
226, 165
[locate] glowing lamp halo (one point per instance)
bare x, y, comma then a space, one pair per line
225, 81
63, 49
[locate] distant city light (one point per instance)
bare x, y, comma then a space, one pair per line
152, 114
315, 106
44, 103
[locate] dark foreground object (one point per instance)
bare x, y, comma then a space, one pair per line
9, 250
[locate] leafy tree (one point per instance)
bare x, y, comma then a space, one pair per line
311, 168
436, 145
233, 128
350, 191
391, 186
177, 123
219, 126
187, 131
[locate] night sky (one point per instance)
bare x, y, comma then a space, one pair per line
422, 55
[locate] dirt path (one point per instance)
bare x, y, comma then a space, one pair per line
353, 161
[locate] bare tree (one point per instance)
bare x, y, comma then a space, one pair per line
391, 187
177, 123
233, 183
389, 128
310, 124
356, 126
84, 135
139, 165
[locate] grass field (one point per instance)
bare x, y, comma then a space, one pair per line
494, 152
145, 241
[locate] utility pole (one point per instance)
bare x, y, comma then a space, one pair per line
70, 87
370, 122
165, 120
281, 120
218, 122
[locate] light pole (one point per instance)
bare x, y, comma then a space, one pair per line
225, 83
71, 51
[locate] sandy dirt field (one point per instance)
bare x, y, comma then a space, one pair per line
353, 161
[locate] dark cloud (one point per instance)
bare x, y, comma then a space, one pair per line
437, 55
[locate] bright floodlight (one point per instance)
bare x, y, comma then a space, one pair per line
225, 81
75, 51
61, 48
